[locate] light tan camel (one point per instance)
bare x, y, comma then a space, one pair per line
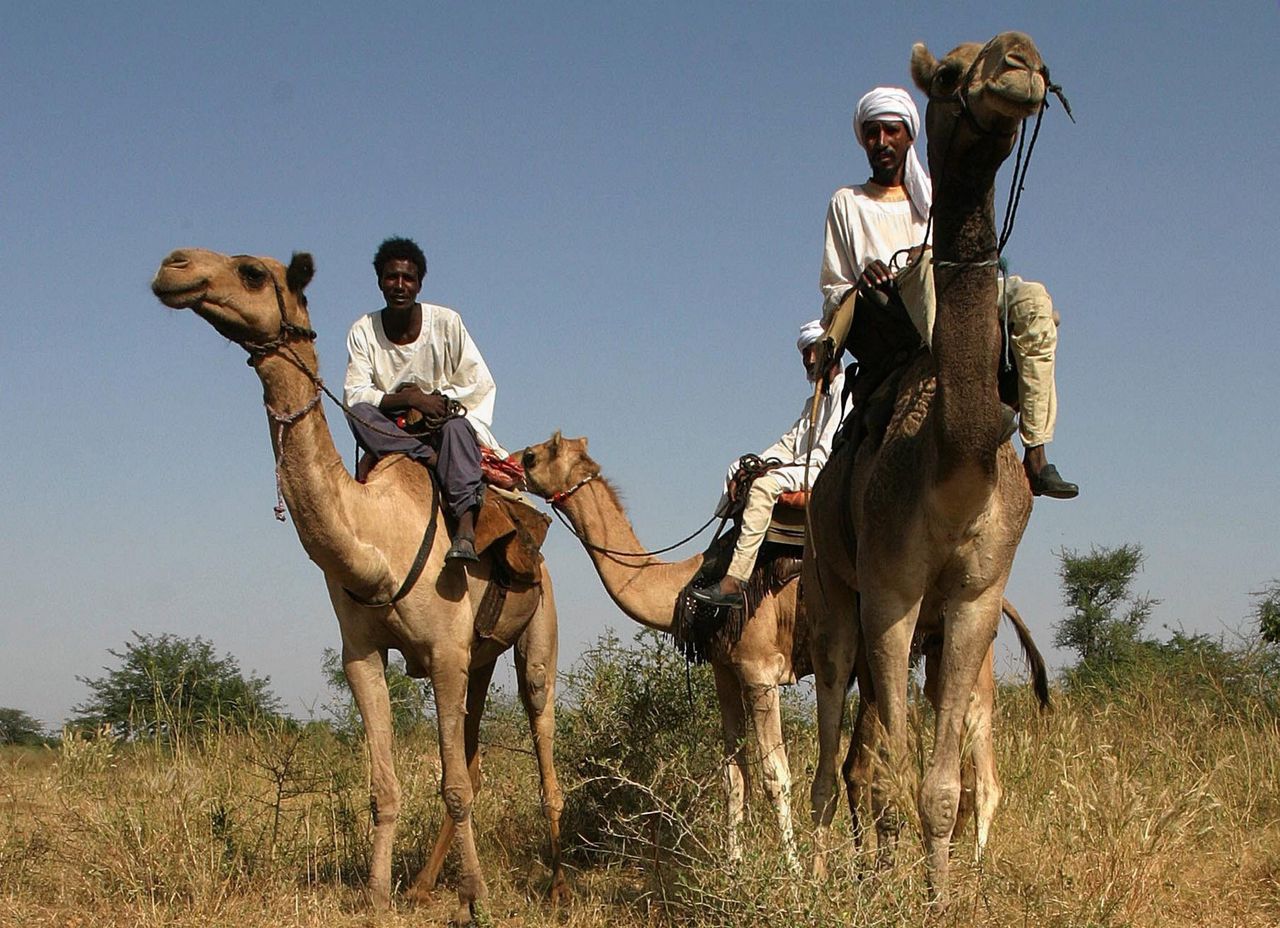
771, 650
925, 523
364, 537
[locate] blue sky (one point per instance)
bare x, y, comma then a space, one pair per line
626, 205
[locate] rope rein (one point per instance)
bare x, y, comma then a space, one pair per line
558, 499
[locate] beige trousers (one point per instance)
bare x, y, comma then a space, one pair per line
1033, 340
756, 516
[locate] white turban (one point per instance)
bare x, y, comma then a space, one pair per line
896, 103
810, 332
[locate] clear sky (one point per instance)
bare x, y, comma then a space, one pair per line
625, 202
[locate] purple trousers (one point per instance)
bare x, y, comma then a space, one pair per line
453, 452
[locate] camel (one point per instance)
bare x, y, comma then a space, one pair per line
771, 650
918, 530
364, 537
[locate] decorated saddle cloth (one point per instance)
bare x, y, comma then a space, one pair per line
515, 530
703, 631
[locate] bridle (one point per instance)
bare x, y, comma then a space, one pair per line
1022, 162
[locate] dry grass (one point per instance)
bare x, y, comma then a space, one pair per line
1158, 805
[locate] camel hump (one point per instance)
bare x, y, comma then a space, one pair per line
515, 530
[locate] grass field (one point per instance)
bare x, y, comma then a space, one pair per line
1153, 801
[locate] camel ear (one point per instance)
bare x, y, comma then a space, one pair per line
553, 446
301, 270
923, 66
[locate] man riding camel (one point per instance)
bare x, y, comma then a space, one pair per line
888, 216
794, 461
419, 356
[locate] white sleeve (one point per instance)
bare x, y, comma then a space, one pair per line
841, 265
358, 386
469, 381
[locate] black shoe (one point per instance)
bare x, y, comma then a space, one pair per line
463, 550
712, 596
1050, 483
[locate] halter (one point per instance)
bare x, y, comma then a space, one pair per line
557, 498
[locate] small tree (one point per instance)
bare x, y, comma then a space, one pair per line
166, 684
1268, 612
16, 727
1106, 619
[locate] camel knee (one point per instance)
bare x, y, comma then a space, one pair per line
537, 686
457, 802
385, 808
939, 805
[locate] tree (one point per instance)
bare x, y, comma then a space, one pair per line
166, 684
1106, 619
16, 727
1267, 610
410, 700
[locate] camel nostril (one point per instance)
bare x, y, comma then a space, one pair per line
176, 259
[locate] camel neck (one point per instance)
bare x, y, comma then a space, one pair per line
317, 487
966, 335
644, 588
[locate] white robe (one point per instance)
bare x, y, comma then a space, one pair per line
862, 229
793, 447
443, 358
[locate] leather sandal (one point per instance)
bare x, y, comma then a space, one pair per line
463, 550
712, 596
1050, 483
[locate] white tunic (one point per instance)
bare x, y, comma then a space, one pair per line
443, 357
793, 447
861, 229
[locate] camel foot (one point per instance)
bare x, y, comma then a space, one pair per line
820, 867
560, 893
419, 895
464, 916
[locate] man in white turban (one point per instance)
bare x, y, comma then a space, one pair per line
801, 452
869, 224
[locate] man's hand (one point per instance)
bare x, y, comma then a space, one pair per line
433, 406
874, 276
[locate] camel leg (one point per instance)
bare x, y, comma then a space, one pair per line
761, 699
971, 627
449, 680
477, 694
737, 777
857, 762
366, 675
833, 643
888, 622
535, 656
979, 722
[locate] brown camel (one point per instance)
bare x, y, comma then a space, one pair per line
364, 537
924, 524
771, 650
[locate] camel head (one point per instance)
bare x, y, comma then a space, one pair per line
557, 465
979, 95
252, 301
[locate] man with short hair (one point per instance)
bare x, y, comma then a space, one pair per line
419, 356
801, 452
877, 227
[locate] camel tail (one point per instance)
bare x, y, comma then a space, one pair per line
1035, 661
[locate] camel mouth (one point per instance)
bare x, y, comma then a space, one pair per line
179, 295
1017, 96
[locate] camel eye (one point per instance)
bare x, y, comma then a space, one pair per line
252, 275
529, 459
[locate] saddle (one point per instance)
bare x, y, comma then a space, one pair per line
515, 530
